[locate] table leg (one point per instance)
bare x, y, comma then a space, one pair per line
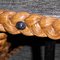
36, 53
49, 50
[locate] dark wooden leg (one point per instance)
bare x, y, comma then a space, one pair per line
36, 53
50, 50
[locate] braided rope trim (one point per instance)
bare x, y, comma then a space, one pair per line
38, 25
4, 52
3, 42
13, 52
7, 55
4, 48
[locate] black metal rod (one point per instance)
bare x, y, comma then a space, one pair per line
36, 53
50, 50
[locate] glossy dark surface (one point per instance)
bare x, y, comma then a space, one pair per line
21, 25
